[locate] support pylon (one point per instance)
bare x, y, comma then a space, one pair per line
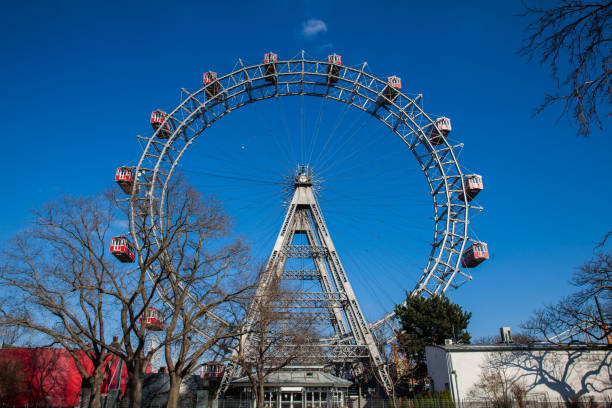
353, 340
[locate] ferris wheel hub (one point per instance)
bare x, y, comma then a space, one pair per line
303, 176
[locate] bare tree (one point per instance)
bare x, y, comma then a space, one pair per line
401, 370
207, 275
586, 314
64, 284
574, 38
524, 337
279, 335
181, 271
498, 381
53, 274
12, 336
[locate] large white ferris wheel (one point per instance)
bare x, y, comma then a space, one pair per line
453, 249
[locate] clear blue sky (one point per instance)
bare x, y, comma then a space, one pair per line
79, 80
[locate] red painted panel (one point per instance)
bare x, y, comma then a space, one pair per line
49, 376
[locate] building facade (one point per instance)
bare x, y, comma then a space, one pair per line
297, 387
542, 371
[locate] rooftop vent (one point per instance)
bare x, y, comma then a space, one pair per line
505, 335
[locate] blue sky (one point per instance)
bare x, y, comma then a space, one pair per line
79, 81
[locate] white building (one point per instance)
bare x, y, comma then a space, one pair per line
545, 372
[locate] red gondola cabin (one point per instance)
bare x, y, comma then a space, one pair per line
270, 60
473, 186
157, 120
444, 126
209, 80
474, 255
152, 321
391, 91
122, 248
333, 67
125, 178
212, 369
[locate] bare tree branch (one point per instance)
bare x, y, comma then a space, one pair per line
575, 38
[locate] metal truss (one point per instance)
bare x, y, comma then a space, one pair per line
336, 296
353, 86
304, 251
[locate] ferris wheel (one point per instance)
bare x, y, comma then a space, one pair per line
451, 251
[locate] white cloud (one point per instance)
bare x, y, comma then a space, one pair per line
313, 27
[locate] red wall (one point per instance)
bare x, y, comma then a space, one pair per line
49, 376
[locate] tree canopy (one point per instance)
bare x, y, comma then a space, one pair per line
430, 321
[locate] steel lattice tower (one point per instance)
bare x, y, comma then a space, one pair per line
353, 340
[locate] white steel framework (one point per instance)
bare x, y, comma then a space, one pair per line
353, 339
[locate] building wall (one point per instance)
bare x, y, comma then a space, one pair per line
44, 376
551, 373
437, 368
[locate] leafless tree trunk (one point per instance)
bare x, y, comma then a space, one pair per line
575, 34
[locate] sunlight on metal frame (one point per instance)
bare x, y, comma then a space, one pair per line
425, 136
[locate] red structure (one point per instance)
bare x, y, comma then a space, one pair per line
157, 120
333, 67
473, 186
49, 376
209, 80
391, 91
474, 255
437, 136
212, 369
152, 321
125, 178
122, 248
270, 60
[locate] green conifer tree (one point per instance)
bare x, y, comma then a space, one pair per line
429, 321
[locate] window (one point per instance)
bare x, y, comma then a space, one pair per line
285, 400
270, 399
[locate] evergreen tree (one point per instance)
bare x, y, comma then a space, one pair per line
429, 321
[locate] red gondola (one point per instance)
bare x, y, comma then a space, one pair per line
444, 126
152, 321
391, 91
125, 178
212, 369
270, 60
157, 119
333, 67
122, 248
473, 186
474, 255
209, 79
